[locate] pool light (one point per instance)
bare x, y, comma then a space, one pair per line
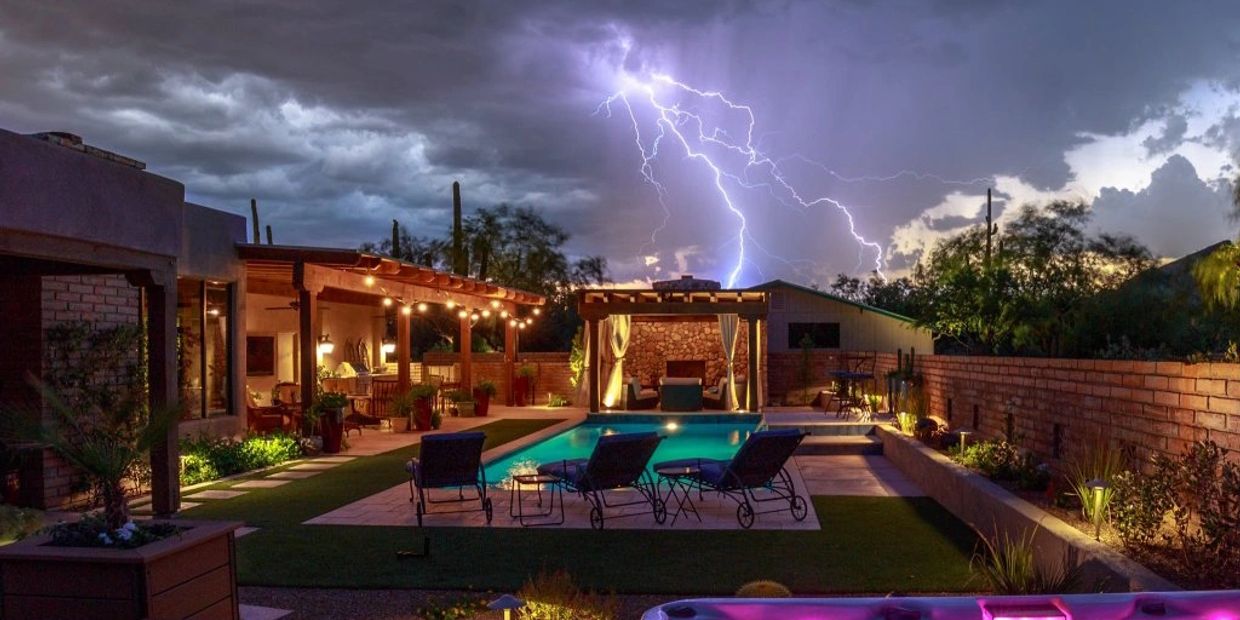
671, 426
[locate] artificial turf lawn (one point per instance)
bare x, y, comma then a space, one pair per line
866, 544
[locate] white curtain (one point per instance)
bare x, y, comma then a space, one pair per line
729, 324
620, 330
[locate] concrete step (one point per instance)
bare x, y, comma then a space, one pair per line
831, 428
840, 444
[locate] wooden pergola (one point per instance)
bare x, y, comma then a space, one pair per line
311, 275
595, 305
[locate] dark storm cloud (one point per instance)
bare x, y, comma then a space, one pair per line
341, 116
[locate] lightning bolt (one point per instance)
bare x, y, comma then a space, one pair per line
699, 139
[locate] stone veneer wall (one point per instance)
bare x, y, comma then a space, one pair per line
1154, 407
653, 343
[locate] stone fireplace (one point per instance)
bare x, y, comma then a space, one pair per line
686, 368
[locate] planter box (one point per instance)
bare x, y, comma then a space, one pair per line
990, 509
188, 576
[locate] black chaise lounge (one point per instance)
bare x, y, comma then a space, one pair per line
618, 462
449, 460
755, 476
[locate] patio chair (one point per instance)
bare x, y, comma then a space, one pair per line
449, 460
263, 419
618, 462
715, 397
757, 467
637, 398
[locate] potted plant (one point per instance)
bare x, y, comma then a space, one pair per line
118, 567
423, 396
403, 407
330, 410
523, 385
483, 392
462, 403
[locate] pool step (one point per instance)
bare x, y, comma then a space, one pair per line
833, 445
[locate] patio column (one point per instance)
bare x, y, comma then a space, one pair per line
161, 327
510, 361
467, 345
592, 375
752, 402
403, 382
308, 326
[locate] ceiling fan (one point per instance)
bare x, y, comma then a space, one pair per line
293, 305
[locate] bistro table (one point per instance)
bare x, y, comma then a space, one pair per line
516, 499
679, 477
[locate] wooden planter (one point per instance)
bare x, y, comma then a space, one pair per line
192, 575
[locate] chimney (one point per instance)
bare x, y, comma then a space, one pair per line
74, 142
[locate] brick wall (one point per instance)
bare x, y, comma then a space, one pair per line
1155, 407
106, 301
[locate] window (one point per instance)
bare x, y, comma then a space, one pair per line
821, 335
204, 348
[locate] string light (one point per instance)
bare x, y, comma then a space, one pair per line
512, 323
422, 306
486, 313
503, 314
462, 314
387, 302
451, 304
495, 304
370, 280
537, 311
473, 317
406, 310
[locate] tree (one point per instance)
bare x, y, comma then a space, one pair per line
1028, 297
1218, 275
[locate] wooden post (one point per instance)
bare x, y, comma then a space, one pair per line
403, 382
752, 383
308, 339
467, 345
510, 362
592, 377
161, 327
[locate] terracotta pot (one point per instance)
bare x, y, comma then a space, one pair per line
190, 575
331, 428
400, 424
422, 414
521, 390
482, 402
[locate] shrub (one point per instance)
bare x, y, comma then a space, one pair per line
907, 422
995, 459
462, 608
1139, 507
1009, 566
763, 589
18, 523
558, 400
487, 387
554, 596
206, 458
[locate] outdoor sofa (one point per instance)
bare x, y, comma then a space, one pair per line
680, 394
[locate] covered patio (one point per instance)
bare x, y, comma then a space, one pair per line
610, 315
342, 304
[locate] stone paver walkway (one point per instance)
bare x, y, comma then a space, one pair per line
867, 475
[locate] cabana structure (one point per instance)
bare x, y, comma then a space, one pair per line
618, 309
312, 276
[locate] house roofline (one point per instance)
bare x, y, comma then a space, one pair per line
829, 296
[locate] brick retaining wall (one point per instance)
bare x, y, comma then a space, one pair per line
1058, 406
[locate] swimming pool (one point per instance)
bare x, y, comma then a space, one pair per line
715, 437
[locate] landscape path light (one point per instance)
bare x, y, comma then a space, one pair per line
507, 603
1097, 488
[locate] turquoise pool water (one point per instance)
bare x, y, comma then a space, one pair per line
682, 439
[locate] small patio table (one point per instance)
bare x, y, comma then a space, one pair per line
679, 478
516, 499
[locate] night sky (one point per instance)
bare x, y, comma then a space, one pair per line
339, 117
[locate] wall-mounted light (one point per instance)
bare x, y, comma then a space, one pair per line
326, 346
213, 312
388, 346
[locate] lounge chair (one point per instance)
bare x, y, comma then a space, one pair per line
637, 398
618, 462
680, 394
758, 466
449, 460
